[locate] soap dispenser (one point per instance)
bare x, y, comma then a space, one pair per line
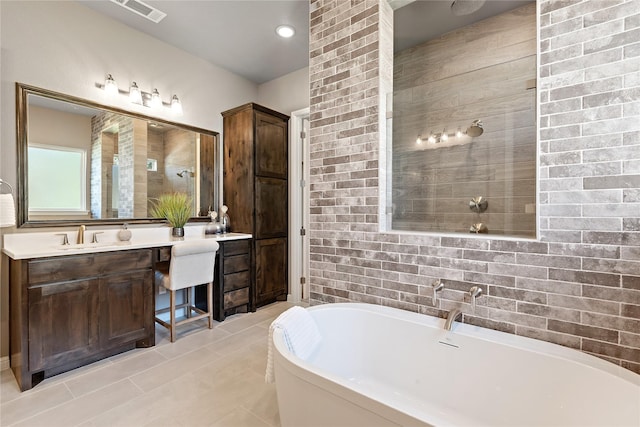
124, 235
224, 219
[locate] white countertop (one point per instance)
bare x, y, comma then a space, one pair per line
48, 244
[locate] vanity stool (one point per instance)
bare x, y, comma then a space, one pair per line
192, 264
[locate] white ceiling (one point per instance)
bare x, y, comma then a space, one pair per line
239, 35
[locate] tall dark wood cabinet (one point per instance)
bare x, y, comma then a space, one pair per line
256, 141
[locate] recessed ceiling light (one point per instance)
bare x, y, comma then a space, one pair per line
285, 31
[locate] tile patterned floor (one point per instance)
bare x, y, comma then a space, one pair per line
208, 377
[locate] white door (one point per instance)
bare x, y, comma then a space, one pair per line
299, 211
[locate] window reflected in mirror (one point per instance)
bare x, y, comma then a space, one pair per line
463, 131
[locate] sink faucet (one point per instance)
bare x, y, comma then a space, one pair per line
451, 317
80, 239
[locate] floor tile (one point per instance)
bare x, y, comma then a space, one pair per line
114, 372
240, 418
86, 407
32, 402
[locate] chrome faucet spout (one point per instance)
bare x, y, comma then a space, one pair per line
451, 317
80, 239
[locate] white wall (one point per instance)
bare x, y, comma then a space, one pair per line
287, 93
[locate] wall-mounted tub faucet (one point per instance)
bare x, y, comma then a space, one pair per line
436, 286
475, 292
451, 317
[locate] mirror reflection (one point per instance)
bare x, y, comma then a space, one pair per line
90, 163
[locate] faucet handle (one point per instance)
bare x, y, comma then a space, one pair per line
65, 238
436, 286
95, 236
475, 292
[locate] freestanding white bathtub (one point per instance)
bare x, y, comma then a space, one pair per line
379, 366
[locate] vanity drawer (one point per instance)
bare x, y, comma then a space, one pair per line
234, 264
236, 298
236, 281
72, 267
163, 254
236, 247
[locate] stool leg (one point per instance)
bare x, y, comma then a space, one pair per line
187, 297
172, 330
210, 303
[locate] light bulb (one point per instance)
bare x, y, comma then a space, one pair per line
432, 139
458, 133
176, 105
110, 85
444, 136
419, 140
285, 31
135, 95
156, 101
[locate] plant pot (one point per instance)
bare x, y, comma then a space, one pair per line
177, 232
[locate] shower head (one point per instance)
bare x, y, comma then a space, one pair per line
466, 7
475, 129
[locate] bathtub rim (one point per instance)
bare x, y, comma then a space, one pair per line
471, 331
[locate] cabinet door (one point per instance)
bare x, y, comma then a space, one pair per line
271, 208
126, 308
63, 323
271, 270
271, 146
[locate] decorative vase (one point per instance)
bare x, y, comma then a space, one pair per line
124, 235
177, 232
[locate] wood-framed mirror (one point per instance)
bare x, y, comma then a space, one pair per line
80, 162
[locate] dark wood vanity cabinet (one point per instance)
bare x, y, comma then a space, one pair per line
69, 311
256, 191
232, 285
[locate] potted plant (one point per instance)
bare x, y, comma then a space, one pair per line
176, 208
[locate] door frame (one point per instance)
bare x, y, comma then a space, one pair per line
298, 208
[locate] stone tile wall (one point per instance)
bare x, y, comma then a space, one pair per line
579, 285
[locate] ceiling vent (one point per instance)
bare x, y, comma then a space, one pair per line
142, 9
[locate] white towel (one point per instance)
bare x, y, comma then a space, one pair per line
301, 336
7, 210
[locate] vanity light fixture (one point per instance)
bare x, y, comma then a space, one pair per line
135, 95
110, 85
432, 138
458, 133
176, 105
139, 97
285, 31
156, 101
419, 140
444, 136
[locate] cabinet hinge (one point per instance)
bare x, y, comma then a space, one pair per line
303, 280
303, 183
303, 232
303, 134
